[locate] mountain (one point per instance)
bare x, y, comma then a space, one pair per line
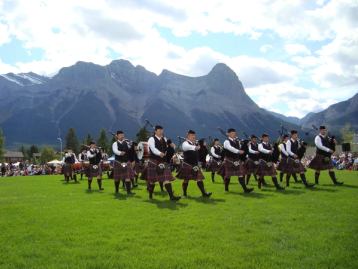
335, 116
293, 120
86, 96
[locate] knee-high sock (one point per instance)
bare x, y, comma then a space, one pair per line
227, 182
248, 178
281, 176
288, 176
316, 177
99, 182
295, 177
116, 185
334, 179
89, 183
185, 187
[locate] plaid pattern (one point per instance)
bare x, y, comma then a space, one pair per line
138, 168
152, 173
294, 167
266, 169
251, 166
67, 169
94, 171
283, 165
186, 172
228, 169
214, 166
122, 172
320, 162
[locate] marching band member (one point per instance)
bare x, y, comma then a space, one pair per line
322, 160
94, 156
190, 169
69, 159
282, 166
158, 169
216, 152
293, 162
122, 169
233, 165
252, 162
266, 162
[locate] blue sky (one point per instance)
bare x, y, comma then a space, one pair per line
293, 57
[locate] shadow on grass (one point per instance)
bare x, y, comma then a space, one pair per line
286, 191
167, 204
253, 194
206, 200
341, 186
125, 196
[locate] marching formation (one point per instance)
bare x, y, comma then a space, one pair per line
234, 158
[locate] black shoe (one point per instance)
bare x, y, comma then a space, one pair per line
309, 185
175, 198
338, 183
207, 194
248, 190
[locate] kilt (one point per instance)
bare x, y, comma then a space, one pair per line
214, 166
321, 162
94, 171
67, 169
283, 166
138, 168
251, 167
228, 169
122, 171
265, 169
294, 166
152, 173
186, 172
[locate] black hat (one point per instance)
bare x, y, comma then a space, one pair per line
293, 132
230, 130
216, 139
92, 143
158, 127
253, 136
264, 135
169, 141
119, 132
285, 136
191, 132
322, 127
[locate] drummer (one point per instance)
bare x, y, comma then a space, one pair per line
82, 157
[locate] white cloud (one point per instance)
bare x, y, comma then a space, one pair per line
294, 49
89, 30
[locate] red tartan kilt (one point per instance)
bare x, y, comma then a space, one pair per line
319, 163
138, 168
120, 172
251, 167
283, 166
265, 170
67, 169
150, 173
94, 172
228, 169
294, 168
186, 172
214, 166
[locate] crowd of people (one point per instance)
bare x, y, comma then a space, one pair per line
27, 169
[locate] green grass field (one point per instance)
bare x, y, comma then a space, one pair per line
45, 223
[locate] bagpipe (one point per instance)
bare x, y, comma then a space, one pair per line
98, 151
331, 139
243, 143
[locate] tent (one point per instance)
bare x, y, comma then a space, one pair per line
54, 162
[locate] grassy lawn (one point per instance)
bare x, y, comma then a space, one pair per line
45, 223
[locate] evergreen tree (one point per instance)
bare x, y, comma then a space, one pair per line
72, 141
